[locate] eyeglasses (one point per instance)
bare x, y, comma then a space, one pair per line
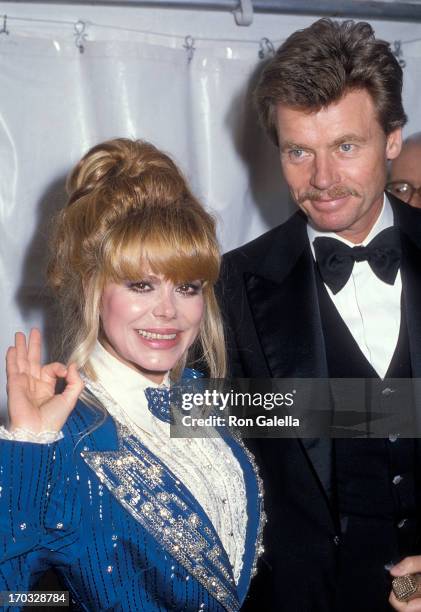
403, 190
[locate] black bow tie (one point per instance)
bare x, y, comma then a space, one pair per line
336, 259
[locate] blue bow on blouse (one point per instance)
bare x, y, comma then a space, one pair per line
159, 403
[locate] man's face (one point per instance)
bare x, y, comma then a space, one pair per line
334, 161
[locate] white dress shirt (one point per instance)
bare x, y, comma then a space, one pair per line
206, 466
370, 308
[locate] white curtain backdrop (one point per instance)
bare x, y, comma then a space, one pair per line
135, 79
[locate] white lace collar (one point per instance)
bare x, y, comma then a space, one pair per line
126, 387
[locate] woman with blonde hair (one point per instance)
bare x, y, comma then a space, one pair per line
90, 481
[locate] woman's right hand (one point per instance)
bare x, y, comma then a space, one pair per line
32, 402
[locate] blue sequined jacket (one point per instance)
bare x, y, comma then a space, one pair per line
115, 523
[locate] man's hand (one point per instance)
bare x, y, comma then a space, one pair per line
409, 565
32, 401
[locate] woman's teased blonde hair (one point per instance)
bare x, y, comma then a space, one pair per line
130, 210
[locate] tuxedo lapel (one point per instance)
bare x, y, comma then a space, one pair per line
411, 284
287, 318
411, 287
408, 220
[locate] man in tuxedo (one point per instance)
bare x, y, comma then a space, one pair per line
333, 292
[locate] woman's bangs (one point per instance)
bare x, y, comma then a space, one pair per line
175, 252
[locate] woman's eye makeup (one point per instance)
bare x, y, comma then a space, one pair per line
140, 286
144, 286
190, 288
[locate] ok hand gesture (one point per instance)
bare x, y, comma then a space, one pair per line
32, 402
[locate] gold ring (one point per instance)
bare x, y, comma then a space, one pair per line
407, 587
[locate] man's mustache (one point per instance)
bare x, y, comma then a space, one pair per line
316, 195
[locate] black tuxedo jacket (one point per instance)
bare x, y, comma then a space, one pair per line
269, 300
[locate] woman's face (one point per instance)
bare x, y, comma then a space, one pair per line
150, 324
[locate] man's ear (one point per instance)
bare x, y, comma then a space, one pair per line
394, 143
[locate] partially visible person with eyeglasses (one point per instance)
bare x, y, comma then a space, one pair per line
405, 172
